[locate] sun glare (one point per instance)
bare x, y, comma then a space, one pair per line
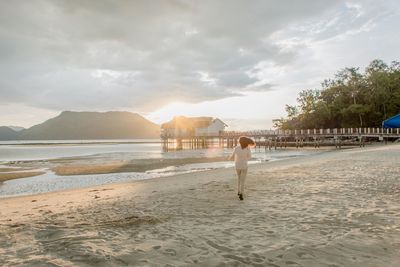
255, 105
166, 113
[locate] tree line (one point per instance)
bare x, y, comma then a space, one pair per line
351, 99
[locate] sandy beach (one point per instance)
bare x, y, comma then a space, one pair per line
339, 208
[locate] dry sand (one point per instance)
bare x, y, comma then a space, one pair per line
339, 208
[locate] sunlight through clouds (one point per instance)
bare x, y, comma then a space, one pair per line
141, 56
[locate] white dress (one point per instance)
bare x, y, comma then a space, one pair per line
241, 156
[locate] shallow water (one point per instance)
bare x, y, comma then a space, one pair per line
120, 149
107, 152
37, 151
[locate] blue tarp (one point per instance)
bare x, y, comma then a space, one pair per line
393, 122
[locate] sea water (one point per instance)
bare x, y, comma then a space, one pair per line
108, 150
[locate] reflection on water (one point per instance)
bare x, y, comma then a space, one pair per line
109, 152
123, 151
51, 151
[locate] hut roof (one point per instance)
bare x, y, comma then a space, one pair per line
183, 122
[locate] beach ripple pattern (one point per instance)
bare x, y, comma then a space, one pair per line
338, 209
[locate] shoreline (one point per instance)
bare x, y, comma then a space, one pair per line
277, 163
99, 169
74, 166
81, 141
91, 165
326, 209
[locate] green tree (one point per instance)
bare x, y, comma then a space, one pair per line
350, 99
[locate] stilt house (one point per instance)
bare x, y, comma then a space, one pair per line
182, 126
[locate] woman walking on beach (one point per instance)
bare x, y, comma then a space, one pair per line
241, 154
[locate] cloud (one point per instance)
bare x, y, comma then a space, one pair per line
140, 55
350, 18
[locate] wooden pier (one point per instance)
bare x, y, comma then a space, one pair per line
274, 139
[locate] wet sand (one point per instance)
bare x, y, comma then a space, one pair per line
340, 208
9, 173
17, 175
137, 165
93, 165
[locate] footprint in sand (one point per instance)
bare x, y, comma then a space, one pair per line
40, 207
16, 225
216, 246
170, 251
236, 258
44, 212
49, 235
106, 189
257, 258
304, 255
292, 263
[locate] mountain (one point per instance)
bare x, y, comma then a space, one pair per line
71, 125
6, 133
16, 128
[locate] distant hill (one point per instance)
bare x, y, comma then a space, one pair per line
92, 125
6, 133
16, 128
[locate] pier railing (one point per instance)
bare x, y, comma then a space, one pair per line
282, 138
373, 132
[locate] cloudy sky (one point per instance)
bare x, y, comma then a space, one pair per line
241, 61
